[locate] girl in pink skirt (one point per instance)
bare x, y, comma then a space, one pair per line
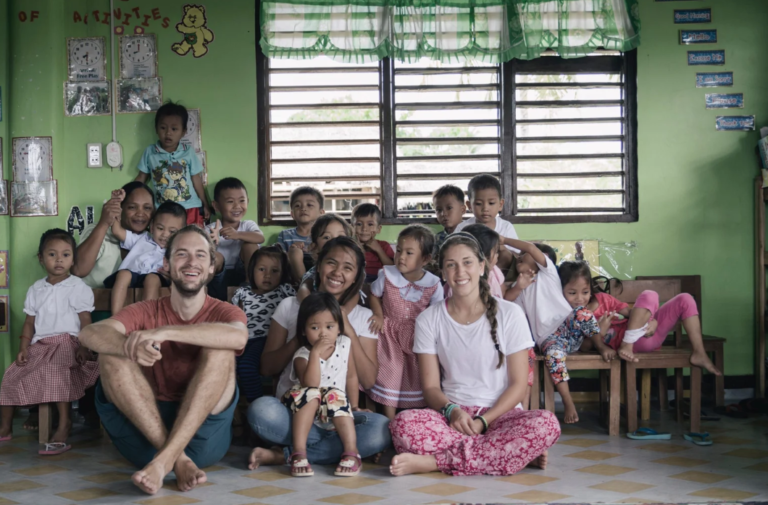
473, 360
400, 293
51, 367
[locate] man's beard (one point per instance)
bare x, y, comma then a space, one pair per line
190, 291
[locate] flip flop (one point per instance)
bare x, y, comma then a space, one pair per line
6, 438
353, 465
698, 438
54, 448
648, 434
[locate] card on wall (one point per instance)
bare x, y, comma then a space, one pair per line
735, 123
3, 197
5, 268
87, 59
139, 95
34, 199
714, 79
138, 56
194, 136
87, 98
5, 313
688, 16
698, 36
716, 57
204, 161
32, 159
724, 100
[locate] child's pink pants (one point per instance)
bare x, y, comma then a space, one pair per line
668, 315
511, 442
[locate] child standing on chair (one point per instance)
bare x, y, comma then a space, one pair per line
448, 202
174, 168
557, 328
366, 221
306, 206
324, 377
486, 203
142, 267
400, 293
268, 285
52, 366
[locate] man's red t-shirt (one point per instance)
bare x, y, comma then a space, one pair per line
170, 376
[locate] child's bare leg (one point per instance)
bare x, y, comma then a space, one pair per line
120, 290
638, 318
345, 427
571, 416
65, 422
390, 412
6, 420
152, 287
699, 356
33, 421
302, 423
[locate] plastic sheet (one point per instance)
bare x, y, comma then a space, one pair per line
140, 95
87, 98
607, 259
34, 199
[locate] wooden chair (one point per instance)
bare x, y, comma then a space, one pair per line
139, 296
102, 298
691, 284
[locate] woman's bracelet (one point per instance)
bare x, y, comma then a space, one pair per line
485, 423
448, 409
24, 337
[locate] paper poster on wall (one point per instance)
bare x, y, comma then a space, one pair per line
196, 34
87, 59
735, 123
87, 99
138, 56
32, 159
724, 101
5, 313
714, 79
193, 137
688, 16
34, 199
75, 221
139, 95
3, 197
716, 57
4, 269
204, 161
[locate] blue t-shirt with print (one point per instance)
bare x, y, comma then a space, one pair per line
171, 174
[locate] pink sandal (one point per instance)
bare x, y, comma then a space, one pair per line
351, 462
54, 448
301, 463
6, 438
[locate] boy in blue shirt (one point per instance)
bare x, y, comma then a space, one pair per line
306, 206
175, 169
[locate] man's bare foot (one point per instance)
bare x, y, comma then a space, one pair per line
150, 478
625, 352
571, 416
62, 432
32, 423
405, 464
703, 361
266, 457
188, 475
540, 462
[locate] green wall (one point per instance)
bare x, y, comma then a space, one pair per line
696, 202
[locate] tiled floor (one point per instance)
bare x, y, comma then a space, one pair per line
585, 466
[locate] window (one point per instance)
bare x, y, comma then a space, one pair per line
559, 133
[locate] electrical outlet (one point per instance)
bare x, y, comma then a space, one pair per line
94, 155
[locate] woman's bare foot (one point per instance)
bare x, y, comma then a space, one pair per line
150, 478
188, 475
540, 462
6, 431
701, 360
405, 464
266, 457
625, 352
32, 423
62, 432
571, 416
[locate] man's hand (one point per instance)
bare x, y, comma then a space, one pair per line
137, 338
148, 353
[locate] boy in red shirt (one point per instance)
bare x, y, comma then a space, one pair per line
366, 221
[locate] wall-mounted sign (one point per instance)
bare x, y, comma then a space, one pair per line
724, 101
698, 36
688, 16
716, 57
714, 79
735, 123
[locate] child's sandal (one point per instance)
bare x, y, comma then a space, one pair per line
349, 466
300, 466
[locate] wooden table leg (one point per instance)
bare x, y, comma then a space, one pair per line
695, 399
645, 392
679, 394
45, 422
663, 400
549, 392
614, 404
536, 388
720, 379
631, 379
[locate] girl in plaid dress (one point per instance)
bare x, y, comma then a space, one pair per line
51, 367
402, 292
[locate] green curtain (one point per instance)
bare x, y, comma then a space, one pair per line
358, 31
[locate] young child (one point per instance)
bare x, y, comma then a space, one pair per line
644, 328
485, 202
306, 206
175, 169
490, 243
142, 267
322, 370
327, 227
236, 238
400, 293
557, 328
366, 221
51, 367
268, 285
448, 202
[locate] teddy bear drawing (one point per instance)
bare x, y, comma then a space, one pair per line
196, 35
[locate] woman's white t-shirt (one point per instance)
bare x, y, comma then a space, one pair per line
544, 304
287, 314
467, 354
